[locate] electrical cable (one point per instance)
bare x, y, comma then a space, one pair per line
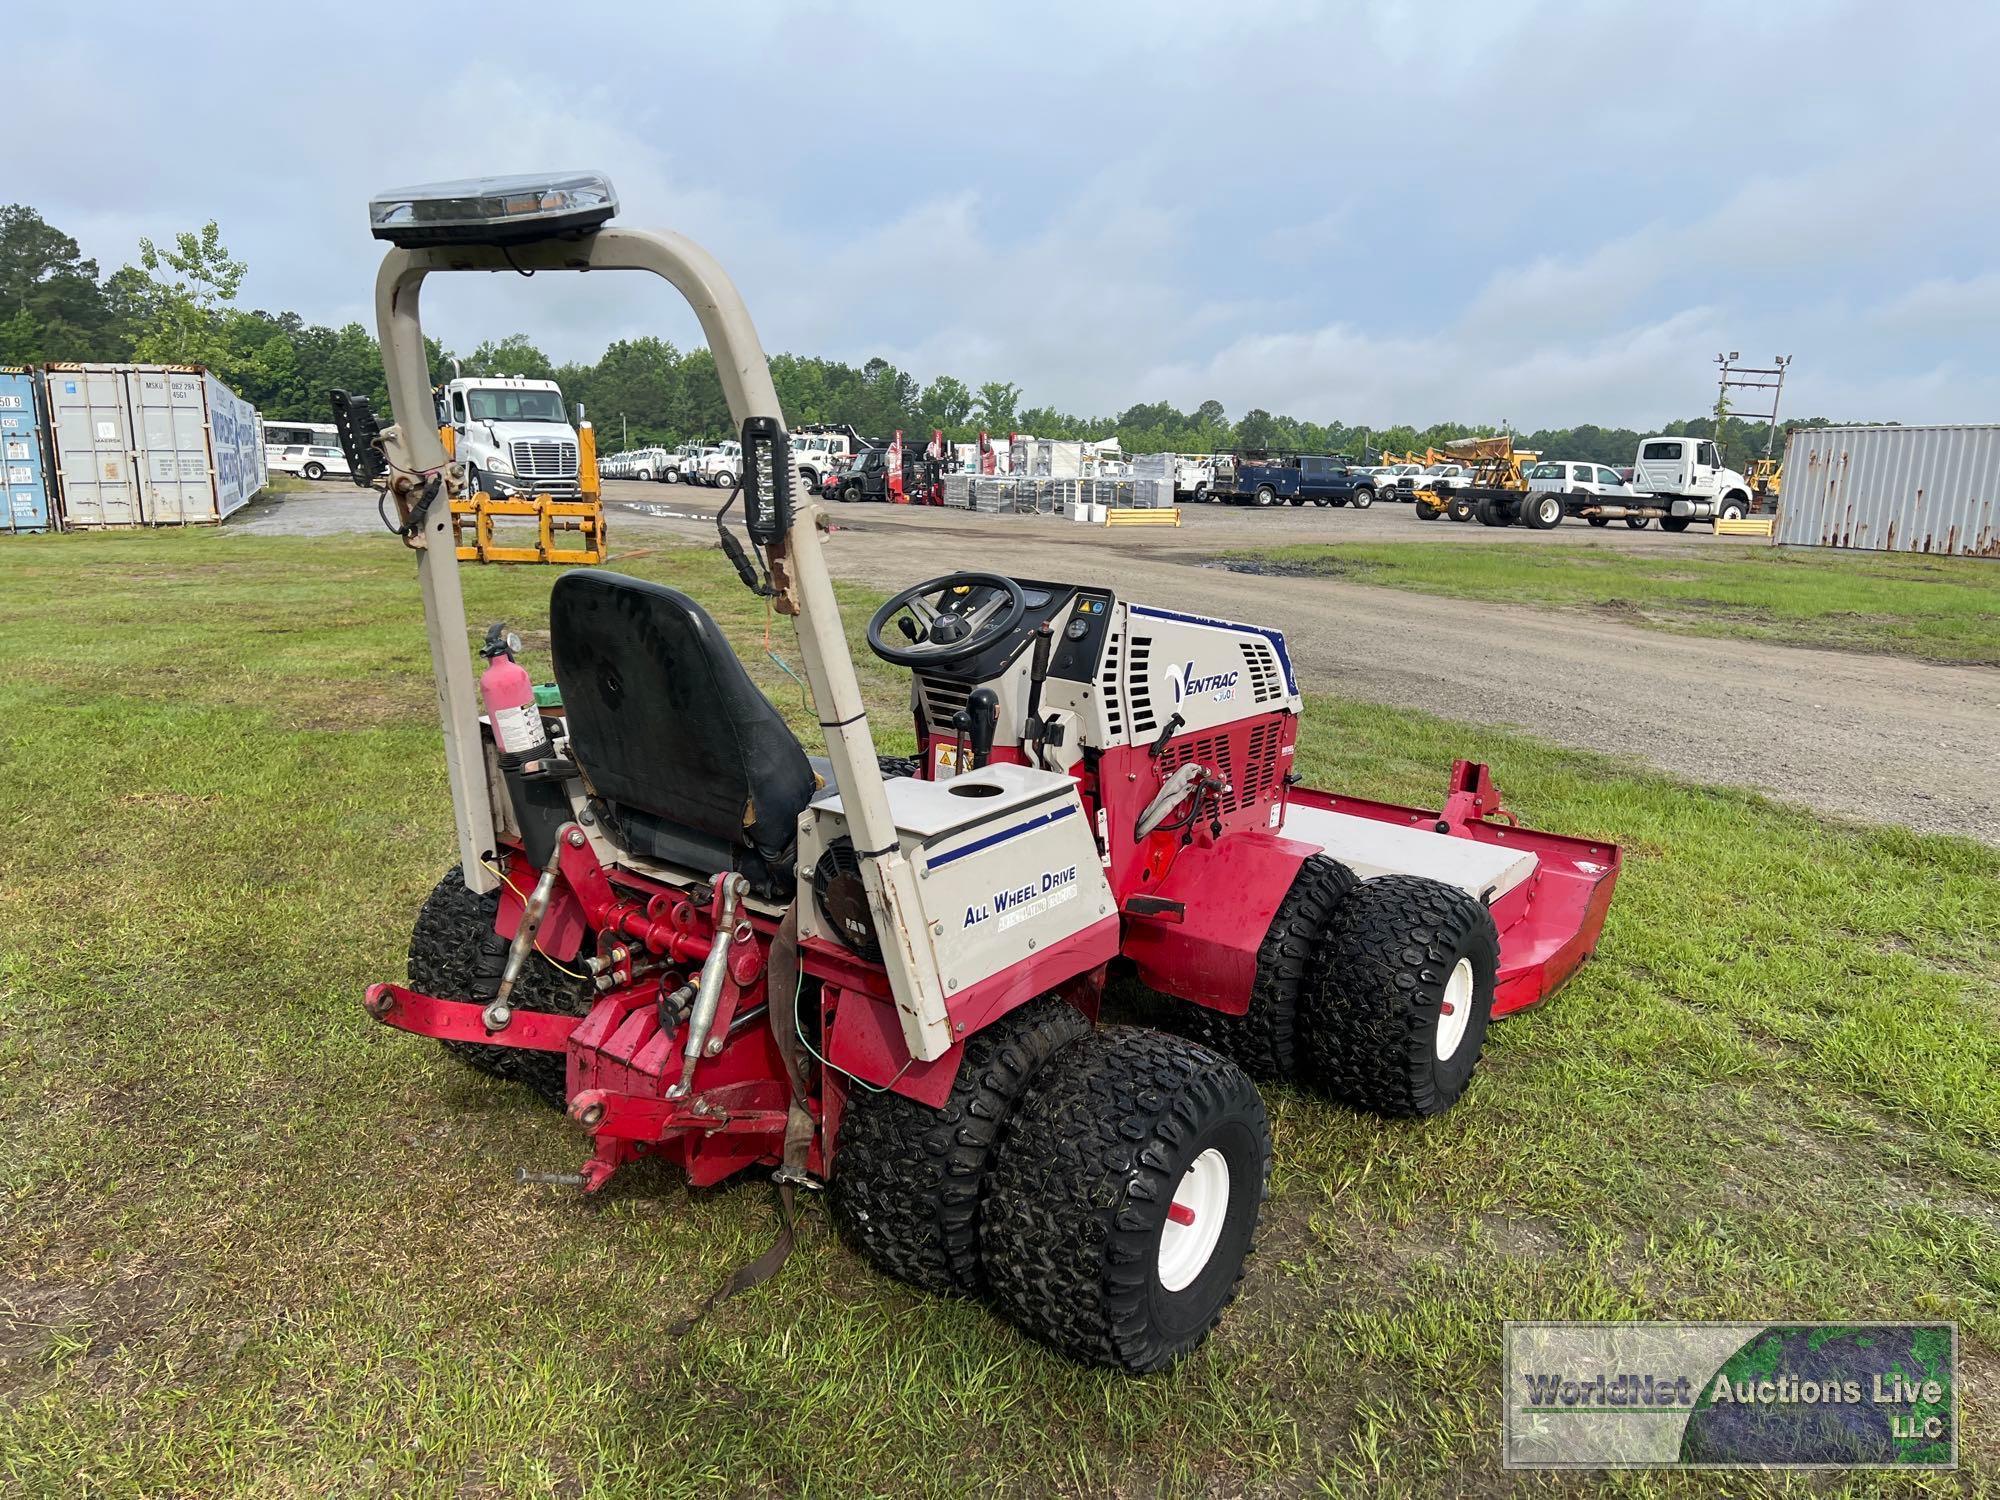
799, 1024
524, 901
805, 697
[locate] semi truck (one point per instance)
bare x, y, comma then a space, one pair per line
1678, 481
512, 434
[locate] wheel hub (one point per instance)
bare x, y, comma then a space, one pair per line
1454, 1010
1194, 1220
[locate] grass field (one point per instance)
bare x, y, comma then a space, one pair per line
256, 1244
1932, 608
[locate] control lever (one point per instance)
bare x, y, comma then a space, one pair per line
982, 712
962, 722
1166, 733
1038, 673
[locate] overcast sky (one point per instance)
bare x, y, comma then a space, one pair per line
1547, 214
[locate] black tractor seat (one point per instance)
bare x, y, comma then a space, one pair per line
694, 766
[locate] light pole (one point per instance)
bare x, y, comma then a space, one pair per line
1777, 393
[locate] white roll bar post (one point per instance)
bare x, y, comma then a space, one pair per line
746, 385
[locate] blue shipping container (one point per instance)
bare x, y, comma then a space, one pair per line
26, 489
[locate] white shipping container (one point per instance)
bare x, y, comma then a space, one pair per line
154, 445
1893, 489
90, 423
236, 436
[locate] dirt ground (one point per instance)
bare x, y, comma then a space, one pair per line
1878, 738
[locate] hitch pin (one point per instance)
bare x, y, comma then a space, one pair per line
708, 992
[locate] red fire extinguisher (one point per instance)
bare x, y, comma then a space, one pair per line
510, 702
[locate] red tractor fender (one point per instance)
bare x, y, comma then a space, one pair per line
1196, 933
865, 1040
564, 925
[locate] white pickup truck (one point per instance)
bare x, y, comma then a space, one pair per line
1685, 478
512, 434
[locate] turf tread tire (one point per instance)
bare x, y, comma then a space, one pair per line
1370, 1021
1080, 1192
1263, 1041
909, 1180
444, 947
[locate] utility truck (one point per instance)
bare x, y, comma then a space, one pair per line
1194, 476
653, 463
1265, 478
823, 448
712, 947
1686, 481
512, 434
719, 466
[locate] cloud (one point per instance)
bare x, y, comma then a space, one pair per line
1545, 210
1943, 305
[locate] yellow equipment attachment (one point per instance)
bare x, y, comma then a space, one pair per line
1766, 478
552, 517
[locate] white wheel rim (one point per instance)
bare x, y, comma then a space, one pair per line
1194, 1221
1456, 1011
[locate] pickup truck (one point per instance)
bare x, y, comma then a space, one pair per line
1320, 478
1586, 488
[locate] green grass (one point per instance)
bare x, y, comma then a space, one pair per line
1931, 608
256, 1244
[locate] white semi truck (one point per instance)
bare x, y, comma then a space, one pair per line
512, 434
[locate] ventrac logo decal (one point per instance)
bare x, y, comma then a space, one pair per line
1189, 682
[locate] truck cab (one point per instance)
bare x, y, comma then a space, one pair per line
1687, 474
1194, 475
720, 465
1267, 478
512, 434
822, 448
653, 463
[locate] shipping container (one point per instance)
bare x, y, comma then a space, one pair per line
26, 488
1893, 489
151, 445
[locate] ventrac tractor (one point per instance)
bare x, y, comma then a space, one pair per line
884, 977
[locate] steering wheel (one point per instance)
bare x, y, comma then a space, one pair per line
948, 620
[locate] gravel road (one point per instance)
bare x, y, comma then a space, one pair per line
1873, 737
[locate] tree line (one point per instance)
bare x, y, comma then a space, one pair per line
178, 305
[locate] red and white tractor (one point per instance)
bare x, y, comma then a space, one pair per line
709, 946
